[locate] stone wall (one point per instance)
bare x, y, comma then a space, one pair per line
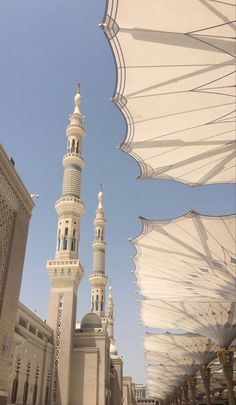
15, 211
31, 361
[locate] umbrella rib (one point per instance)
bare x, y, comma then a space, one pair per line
214, 11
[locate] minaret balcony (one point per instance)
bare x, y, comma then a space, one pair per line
98, 279
65, 271
99, 244
73, 159
69, 205
75, 130
99, 221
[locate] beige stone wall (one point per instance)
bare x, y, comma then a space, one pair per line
128, 391
31, 360
62, 320
90, 377
84, 382
117, 381
15, 211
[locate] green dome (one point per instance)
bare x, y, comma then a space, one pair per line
91, 321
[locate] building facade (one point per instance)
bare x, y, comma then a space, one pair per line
15, 211
142, 397
128, 391
31, 371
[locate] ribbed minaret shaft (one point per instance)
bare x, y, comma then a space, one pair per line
110, 324
110, 315
70, 207
98, 279
65, 270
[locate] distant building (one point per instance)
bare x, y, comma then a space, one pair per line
141, 395
128, 391
15, 212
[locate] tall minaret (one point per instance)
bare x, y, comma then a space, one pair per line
65, 270
98, 279
110, 323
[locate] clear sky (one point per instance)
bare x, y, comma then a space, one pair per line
46, 47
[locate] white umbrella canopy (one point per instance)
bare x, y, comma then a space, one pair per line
165, 379
169, 359
215, 320
162, 383
175, 64
160, 389
189, 258
185, 348
171, 368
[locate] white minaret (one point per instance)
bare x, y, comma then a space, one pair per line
65, 271
110, 324
98, 279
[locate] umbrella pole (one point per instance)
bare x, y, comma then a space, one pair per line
185, 392
192, 387
226, 358
180, 396
205, 372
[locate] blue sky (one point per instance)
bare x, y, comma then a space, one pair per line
46, 47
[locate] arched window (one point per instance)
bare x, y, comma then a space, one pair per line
97, 302
68, 146
77, 147
65, 239
47, 395
73, 146
59, 238
35, 393
99, 233
65, 244
25, 392
15, 381
73, 240
14, 390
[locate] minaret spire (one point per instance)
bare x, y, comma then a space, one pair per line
100, 198
77, 100
98, 279
65, 270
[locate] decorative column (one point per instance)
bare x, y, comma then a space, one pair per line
98, 278
226, 358
65, 271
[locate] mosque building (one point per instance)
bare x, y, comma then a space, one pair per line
54, 362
